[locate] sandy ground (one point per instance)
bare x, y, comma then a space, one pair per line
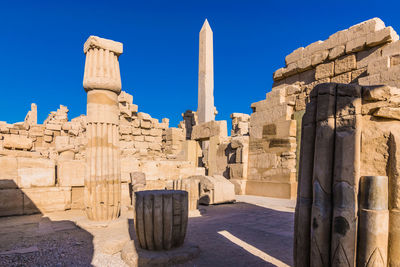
255, 231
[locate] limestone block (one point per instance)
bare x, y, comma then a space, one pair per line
136, 123
145, 124
71, 172
139, 138
324, 70
388, 112
292, 90
238, 171
215, 189
77, 198
366, 56
136, 131
137, 178
382, 36
313, 48
11, 202
342, 78
296, 55
319, 57
155, 132
306, 63
208, 129
391, 49
17, 142
365, 27
124, 97
370, 80
48, 132
9, 178
36, 172
380, 92
46, 199
336, 52
161, 218
356, 44
125, 129
291, 69
48, 138
128, 165
345, 64
155, 146
36, 130
141, 145
378, 66
356, 74
126, 200
53, 126
144, 116
278, 74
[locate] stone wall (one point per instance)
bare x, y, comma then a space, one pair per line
365, 54
44, 164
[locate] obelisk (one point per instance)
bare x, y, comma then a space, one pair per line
205, 106
102, 82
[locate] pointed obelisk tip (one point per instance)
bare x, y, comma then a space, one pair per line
206, 25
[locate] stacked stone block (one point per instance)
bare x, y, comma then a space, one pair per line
344, 139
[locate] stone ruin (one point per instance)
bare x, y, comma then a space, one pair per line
330, 121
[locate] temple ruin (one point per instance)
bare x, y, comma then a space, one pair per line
326, 135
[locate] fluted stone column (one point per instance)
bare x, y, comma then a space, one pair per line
374, 222
102, 82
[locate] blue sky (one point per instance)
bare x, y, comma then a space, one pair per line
42, 59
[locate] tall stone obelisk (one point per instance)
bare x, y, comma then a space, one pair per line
102, 82
205, 106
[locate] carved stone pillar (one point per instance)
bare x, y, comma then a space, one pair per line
102, 82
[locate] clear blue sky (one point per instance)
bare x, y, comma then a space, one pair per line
42, 59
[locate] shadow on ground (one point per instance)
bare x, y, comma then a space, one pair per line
269, 231
35, 240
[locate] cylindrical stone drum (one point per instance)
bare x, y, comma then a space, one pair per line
161, 218
374, 221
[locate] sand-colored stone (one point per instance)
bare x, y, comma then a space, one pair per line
374, 221
71, 172
102, 82
205, 108
161, 218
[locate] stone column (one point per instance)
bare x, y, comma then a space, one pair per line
321, 211
304, 196
205, 107
346, 175
102, 82
374, 222
394, 200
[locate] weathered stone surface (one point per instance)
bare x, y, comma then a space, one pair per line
9, 178
46, 199
71, 172
382, 36
17, 142
324, 71
388, 112
161, 218
36, 172
206, 110
11, 202
374, 221
215, 189
345, 64
103, 176
206, 130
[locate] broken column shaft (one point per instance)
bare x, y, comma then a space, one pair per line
102, 82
